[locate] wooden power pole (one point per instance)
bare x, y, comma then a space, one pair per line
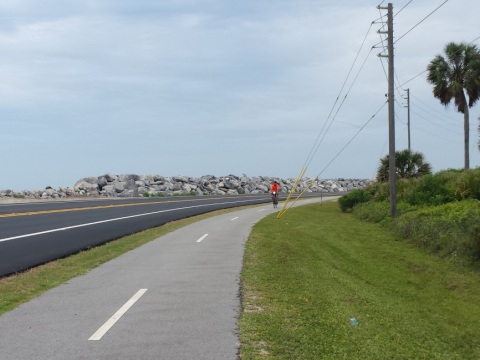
408, 122
392, 176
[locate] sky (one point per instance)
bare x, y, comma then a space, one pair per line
216, 87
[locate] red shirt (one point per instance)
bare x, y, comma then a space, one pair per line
274, 187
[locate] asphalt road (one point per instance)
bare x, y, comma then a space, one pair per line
176, 297
35, 233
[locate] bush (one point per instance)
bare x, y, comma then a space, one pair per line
429, 190
153, 194
463, 185
374, 212
379, 212
347, 202
441, 188
433, 189
451, 230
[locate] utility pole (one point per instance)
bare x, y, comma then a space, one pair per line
408, 122
392, 176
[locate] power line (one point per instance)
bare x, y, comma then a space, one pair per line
383, 67
424, 71
435, 124
386, 77
379, 19
406, 82
409, 32
319, 138
380, 57
430, 133
431, 108
383, 22
343, 101
383, 45
398, 118
328, 124
399, 11
445, 123
421, 21
348, 143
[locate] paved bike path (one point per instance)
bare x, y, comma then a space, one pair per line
187, 285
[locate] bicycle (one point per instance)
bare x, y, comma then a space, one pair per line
275, 199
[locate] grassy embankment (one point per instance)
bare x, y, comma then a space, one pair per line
308, 273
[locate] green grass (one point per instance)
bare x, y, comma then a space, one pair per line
20, 288
307, 273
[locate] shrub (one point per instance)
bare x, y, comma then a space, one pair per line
153, 194
429, 190
451, 230
380, 191
379, 212
374, 212
433, 189
347, 202
463, 185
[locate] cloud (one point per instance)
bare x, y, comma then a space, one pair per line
224, 84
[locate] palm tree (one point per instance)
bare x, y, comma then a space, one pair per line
408, 165
456, 76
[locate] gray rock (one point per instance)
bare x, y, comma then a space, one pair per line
110, 178
88, 185
262, 188
182, 179
102, 181
109, 190
122, 178
119, 186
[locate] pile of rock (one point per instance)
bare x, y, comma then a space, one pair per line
110, 185
48, 193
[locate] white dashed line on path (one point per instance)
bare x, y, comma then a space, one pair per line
235, 218
203, 237
110, 322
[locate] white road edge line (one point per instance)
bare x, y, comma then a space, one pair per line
235, 218
110, 322
120, 218
261, 210
203, 237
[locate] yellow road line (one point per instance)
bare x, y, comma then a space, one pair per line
39, 212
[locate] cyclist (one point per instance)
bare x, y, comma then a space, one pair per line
275, 186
